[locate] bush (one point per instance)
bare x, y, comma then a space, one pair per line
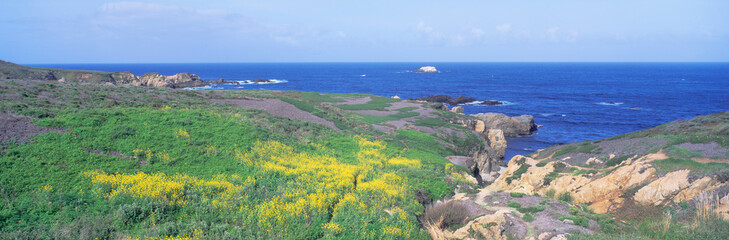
527, 217
513, 204
131, 213
565, 197
449, 213
550, 193
517, 194
532, 209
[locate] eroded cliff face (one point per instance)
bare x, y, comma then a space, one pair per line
606, 190
159, 80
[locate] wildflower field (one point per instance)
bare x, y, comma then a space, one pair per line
163, 170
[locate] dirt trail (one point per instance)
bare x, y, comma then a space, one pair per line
20, 128
278, 108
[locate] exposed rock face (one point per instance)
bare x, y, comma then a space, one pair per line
496, 140
512, 126
492, 226
605, 193
124, 78
486, 165
159, 80
427, 69
457, 109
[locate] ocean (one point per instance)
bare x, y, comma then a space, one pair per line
571, 102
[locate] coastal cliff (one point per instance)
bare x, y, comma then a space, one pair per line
678, 172
10, 70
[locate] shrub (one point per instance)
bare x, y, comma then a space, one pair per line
616, 160
574, 211
565, 197
513, 204
527, 217
448, 214
517, 194
532, 209
131, 213
550, 193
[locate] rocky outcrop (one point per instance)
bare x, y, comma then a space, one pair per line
457, 109
223, 81
15, 71
124, 78
496, 140
604, 193
159, 80
447, 99
427, 69
511, 126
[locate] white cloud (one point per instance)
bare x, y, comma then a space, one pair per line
164, 22
503, 28
463, 36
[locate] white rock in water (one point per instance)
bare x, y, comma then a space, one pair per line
427, 69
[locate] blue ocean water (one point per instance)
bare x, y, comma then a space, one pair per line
571, 101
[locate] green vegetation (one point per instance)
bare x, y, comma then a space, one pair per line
513, 204
140, 162
532, 209
565, 197
517, 174
673, 164
379, 119
377, 103
616, 161
517, 194
528, 217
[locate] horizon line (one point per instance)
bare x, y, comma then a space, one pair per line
419, 62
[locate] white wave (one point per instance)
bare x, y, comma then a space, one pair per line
209, 87
270, 81
502, 103
610, 103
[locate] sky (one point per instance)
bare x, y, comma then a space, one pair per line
192, 31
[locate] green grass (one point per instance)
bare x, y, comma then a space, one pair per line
673, 164
517, 194
46, 195
616, 161
370, 119
377, 103
517, 174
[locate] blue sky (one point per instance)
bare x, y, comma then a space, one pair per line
94, 31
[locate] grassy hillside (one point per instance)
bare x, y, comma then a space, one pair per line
136, 162
10, 70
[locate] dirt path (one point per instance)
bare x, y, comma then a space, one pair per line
278, 108
20, 128
352, 100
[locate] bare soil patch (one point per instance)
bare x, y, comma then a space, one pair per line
352, 100
20, 128
278, 108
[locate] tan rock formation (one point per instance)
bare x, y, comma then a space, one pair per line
604, 193
159, 80
492, 226
662, 189
496, 140
480, 126
512, 126
457, 109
